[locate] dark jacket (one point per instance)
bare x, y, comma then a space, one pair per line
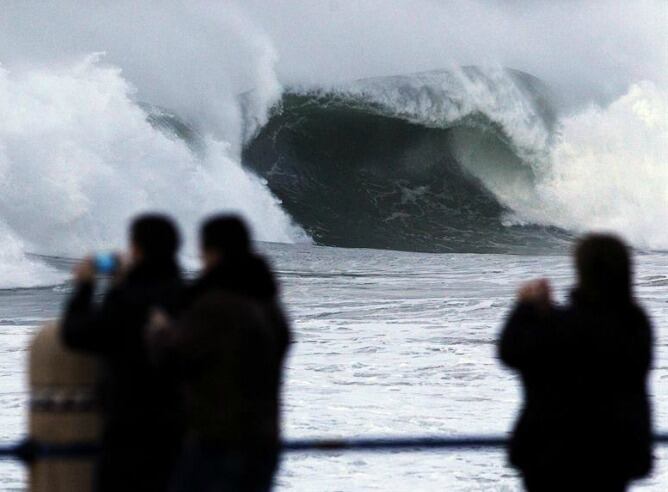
229, 347
584, 372
248, 276
142, 407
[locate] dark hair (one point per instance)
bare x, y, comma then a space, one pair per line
603, 264
156, 236
227, 235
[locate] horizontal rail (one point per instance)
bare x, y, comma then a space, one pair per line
395, 443
29, 450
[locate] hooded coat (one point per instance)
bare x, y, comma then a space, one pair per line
584, 370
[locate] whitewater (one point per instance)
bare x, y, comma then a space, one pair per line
405, 164
387, 343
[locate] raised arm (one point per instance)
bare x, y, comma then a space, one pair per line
85, 326
527, 328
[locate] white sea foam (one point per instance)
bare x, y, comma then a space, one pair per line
604, 168
18, 270
609, 170
78, 159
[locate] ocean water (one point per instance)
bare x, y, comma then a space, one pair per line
494, 153
387, 343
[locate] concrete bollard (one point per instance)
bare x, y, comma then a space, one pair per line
63, 410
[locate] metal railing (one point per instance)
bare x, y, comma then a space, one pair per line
29, 450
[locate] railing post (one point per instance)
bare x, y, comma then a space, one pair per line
62, 413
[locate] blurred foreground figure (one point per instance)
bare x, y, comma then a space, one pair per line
585, 424
142, 410
229, 348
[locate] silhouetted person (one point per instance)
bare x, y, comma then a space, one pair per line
585, 423
143, 416
229, 348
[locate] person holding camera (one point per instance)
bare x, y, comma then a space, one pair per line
143, 417
585, 424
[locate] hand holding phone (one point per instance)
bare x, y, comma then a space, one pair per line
106, 263
99, 264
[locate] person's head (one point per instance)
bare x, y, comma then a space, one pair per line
224, 237
153, 239
603, 267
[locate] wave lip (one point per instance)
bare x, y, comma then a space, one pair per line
517, 104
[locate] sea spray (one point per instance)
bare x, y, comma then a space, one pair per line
78, 159
609, 170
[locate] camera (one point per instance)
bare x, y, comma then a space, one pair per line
106, 263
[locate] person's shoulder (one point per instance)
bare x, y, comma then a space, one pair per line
262, 276
259, 263
639, 316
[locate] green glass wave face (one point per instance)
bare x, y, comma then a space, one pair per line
355, 172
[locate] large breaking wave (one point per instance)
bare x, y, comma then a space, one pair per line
464, 160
